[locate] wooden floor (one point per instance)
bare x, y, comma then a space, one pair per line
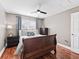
62, 53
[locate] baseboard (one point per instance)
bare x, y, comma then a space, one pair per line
68, 48
2, 51
64, 46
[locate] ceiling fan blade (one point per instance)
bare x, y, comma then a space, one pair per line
39, 11
43, 12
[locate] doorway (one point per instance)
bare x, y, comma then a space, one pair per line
75, 32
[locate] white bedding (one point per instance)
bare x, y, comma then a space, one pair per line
20, 45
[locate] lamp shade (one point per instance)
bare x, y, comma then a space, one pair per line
9, 26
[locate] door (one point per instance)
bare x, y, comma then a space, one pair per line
75, 32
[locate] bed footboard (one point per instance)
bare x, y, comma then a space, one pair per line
38, 46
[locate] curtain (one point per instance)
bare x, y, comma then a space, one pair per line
18, 24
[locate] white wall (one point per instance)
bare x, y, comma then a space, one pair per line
2, 27
60, 24
11, 20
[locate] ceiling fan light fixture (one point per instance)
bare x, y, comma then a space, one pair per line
38, 10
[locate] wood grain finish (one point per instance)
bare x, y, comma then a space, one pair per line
38, 46
8, 54
43, 31
62, 53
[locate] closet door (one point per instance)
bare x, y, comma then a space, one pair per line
75, 32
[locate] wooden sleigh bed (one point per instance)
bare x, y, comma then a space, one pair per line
38, 46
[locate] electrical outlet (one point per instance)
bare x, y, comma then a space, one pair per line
66, 41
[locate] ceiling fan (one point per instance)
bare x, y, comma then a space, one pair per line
43, 12
39, 11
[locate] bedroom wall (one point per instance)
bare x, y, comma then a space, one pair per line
11, 20
35, 23
2, 27
60, 24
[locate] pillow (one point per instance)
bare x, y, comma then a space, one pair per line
28, 32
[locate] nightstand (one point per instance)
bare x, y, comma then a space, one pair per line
12, 41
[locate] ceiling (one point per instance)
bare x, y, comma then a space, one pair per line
25, 7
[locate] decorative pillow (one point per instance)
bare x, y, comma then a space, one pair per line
28, 32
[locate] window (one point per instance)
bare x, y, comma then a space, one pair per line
28, 23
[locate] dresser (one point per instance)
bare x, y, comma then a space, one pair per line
44, 31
